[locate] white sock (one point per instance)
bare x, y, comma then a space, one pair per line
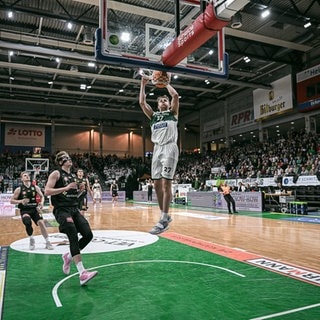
164, 216
80, 267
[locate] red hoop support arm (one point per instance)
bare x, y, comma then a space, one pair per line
191, 38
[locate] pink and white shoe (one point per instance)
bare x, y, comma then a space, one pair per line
86, 276
66, 263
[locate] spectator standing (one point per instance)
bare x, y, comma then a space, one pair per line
150, 190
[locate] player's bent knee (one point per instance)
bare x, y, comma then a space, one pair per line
68, 228
26, 220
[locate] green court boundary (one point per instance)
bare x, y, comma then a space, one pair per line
167, 280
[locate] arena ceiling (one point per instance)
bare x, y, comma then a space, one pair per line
44, 64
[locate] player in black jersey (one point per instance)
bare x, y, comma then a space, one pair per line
114, 192
64, 192
25, 197
84, 185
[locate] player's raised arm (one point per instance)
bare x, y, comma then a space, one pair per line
142, 99
174, 99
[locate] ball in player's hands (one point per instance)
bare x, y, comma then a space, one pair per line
160, 78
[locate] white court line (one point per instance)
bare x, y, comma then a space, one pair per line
199, 215
274, 315
56, 287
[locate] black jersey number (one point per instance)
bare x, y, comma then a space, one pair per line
167, 169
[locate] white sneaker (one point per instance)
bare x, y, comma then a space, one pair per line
86, 276
66, 263
49, 245
160, 227
32, 244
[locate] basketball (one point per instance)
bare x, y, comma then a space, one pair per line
160, 78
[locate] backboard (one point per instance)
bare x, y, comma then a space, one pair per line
157, 39
37, 164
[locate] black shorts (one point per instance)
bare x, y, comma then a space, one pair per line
65, 215
33, 213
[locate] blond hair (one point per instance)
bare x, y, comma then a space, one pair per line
59, 157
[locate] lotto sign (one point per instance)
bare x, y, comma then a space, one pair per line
24, 135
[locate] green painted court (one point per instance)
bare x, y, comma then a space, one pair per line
163, 280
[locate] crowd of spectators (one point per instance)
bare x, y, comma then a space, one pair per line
296, 154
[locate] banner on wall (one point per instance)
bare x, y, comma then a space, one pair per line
106, 196
211, 128
302, 181
213, 124
261, 182
6, 208
308, 94
274, 101
248, 201
287, 181
241, 119
24, 135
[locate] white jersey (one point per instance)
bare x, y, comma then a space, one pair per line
164, 127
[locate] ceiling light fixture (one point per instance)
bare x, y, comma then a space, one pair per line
69, 25
265, 13
211, 52
246, 59
87, 36
307, 25
10, 14
236, 21
125, 36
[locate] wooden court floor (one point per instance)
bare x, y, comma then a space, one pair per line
272, 236
282, 240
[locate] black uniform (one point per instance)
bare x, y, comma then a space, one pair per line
71, 221
83, 197
30, 208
